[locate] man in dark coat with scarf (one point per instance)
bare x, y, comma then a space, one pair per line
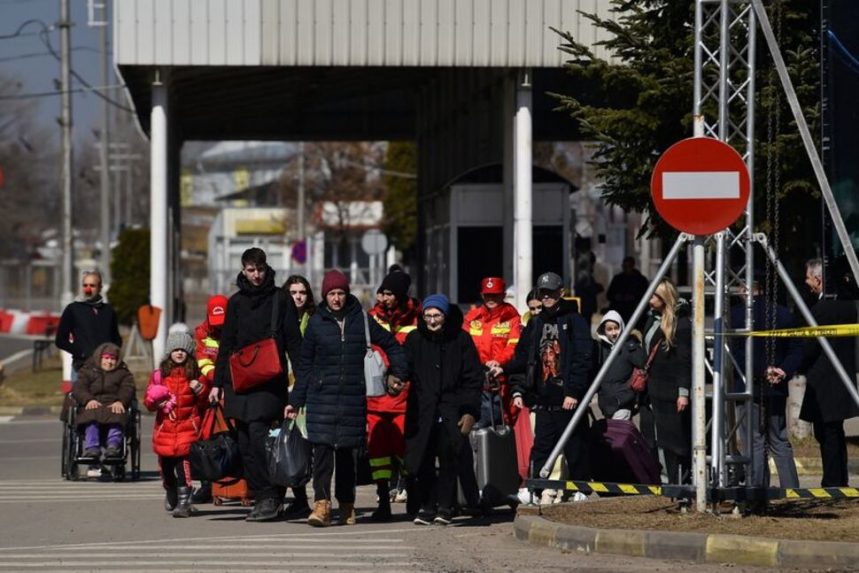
330, 383
827, 403
444, 402
86, 323
554, 353
251, 317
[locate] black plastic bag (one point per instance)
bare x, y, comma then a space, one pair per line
289, 457
216, 456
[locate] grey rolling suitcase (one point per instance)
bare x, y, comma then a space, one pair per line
495, 464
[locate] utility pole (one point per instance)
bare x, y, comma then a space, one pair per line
66, 125
105, 151
302, 232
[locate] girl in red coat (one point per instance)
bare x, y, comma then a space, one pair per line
177, 392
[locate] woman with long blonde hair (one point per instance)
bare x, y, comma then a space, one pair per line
668, 333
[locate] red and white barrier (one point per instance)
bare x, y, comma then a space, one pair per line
32, 323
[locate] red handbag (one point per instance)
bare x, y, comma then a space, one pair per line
638, 380
258, 362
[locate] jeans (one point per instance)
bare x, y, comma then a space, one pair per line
490, 410
773, 438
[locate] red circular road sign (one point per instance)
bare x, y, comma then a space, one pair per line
700, 185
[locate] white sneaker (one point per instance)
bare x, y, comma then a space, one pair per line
579, 496
525, 496
401, 497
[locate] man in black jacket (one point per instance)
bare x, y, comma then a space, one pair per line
86, 323
554, 353
252, 316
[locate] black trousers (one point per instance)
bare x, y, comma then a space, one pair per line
175, 471
252, 437
833, 452
437, 489
548, 427
325, 458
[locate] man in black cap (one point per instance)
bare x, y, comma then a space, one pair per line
554, 353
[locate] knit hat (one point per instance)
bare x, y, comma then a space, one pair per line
438, 301
397, 282
179, 340
492, 285
334, 279
216, 310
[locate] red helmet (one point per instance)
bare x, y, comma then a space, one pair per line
492, 285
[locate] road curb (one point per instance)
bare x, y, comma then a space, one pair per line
700, 547
30, 410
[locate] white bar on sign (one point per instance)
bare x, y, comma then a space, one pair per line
701, 185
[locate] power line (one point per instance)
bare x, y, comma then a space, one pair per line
41, 54
61, 92
46, 40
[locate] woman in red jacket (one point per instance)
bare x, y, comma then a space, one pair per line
177, 392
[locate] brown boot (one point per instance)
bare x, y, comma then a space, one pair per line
347, 514
321, 515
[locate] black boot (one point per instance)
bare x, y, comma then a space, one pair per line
298, 508
203, 494
171, 498
383, 513
183, 508
267, 509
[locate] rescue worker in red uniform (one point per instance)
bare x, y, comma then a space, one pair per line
207, 340
397, 313
494, 326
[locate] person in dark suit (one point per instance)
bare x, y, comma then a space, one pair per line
827, 402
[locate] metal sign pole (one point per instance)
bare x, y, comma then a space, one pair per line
699, 409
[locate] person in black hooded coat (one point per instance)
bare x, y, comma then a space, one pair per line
443, 404
249, 319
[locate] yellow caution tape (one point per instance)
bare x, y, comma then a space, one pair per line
804, 332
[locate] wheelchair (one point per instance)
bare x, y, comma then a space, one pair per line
73, 447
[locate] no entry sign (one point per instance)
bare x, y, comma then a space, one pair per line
700, 185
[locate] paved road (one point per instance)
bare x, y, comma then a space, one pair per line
50, 524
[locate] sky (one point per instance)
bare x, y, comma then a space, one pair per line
26, 58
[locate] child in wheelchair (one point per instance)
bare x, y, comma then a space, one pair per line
178, 394
104, 393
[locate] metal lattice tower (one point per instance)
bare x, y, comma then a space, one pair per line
724, 91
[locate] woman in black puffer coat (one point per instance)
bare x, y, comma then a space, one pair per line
330, 383
444, 401
665, 404
249, 319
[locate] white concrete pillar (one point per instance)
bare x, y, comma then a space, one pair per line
508, 111
159, 218
522, 160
